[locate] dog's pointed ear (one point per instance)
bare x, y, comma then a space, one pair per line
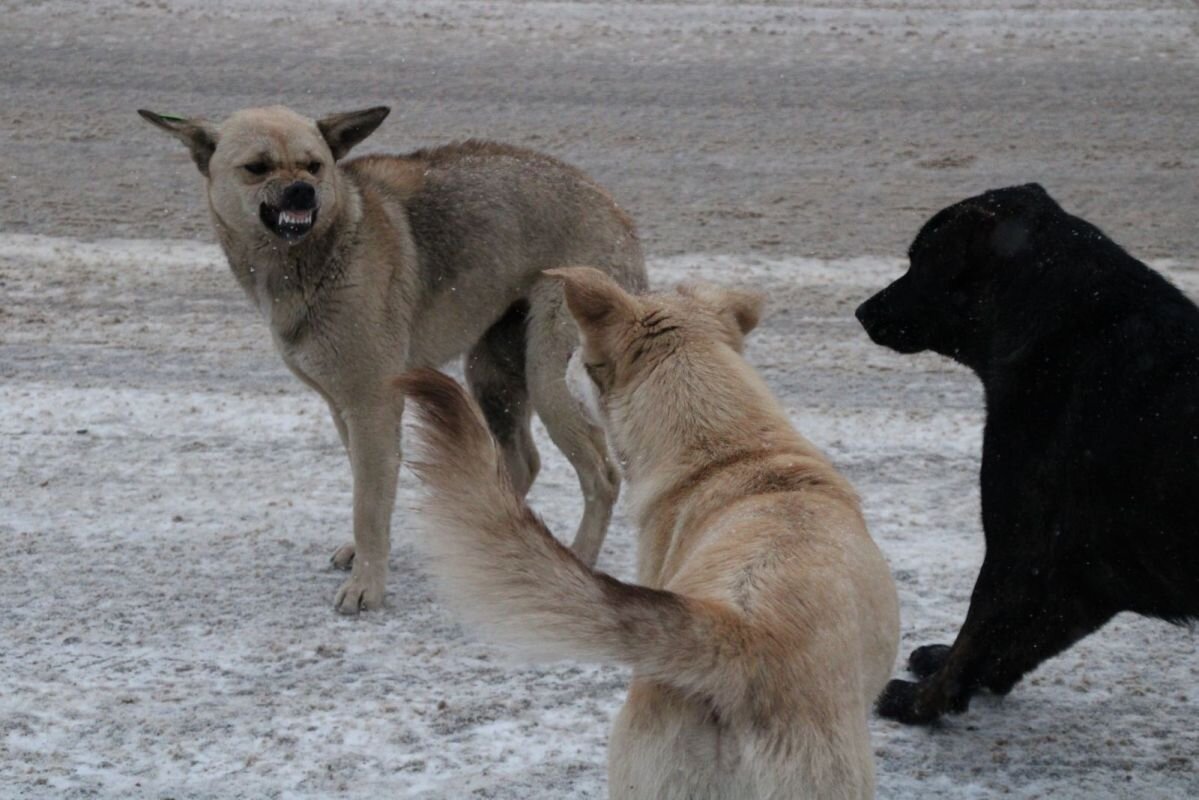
343, 131
199, 135
592, 297
741, 309
745, 308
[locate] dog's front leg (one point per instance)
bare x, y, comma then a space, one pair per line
343, 557
373, 435
1014, 623
993, 622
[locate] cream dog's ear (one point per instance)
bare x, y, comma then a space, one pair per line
744, 307
740, 308
199, 135
343, 131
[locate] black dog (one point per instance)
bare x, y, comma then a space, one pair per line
1090, 467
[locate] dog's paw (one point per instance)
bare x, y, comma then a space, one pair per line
900, 701
924, 661
362, 592
343, 557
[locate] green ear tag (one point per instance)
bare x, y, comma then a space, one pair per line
173, 118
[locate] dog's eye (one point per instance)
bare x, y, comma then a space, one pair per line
257, 168
314, 167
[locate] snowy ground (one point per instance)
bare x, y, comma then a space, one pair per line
171, 495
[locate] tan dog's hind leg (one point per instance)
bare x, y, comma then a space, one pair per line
585, 446
495, 373
552, 337
374, 437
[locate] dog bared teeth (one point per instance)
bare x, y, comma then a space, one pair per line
295, 217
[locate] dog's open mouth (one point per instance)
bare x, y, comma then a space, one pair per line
290, 224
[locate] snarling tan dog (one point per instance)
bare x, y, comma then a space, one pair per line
767, 620
368, 267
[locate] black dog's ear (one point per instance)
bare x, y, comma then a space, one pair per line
1011, 236
958, 232
343, 131
990, 231
1020, 211
199, 136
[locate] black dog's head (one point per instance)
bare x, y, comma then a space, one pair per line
958, 261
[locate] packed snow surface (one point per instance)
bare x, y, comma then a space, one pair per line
171, 496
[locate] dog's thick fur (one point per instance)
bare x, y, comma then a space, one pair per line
766, 621
1090, 465
366, 268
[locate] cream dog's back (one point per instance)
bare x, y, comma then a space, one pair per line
769, 620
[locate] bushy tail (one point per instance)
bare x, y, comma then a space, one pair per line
508, 575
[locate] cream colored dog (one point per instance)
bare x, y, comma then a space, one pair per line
767, 620
367, 267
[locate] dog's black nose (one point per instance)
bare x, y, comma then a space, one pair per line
299, 196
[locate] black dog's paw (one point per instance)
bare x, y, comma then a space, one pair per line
899, 701
924, 661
